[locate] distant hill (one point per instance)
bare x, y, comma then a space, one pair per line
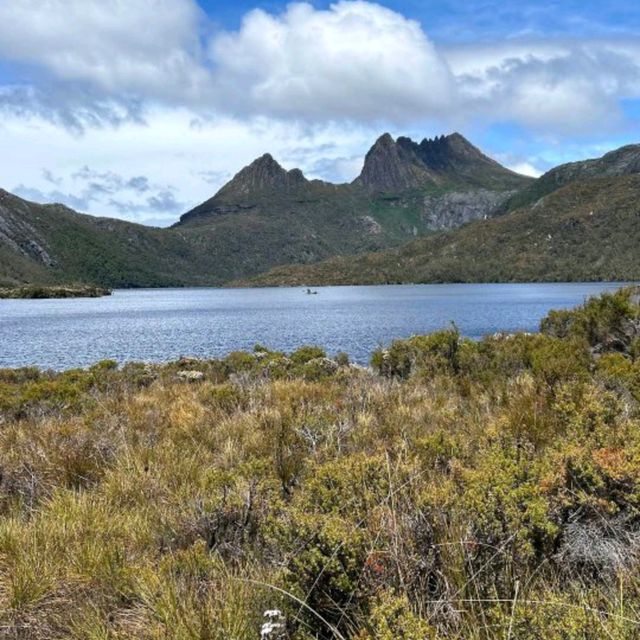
52, 243
580, 221
265, 216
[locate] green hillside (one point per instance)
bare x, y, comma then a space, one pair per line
586, 230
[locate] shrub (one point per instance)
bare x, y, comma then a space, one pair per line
435, 353
307, 353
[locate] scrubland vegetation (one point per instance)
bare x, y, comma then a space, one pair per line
457, 489
41, 291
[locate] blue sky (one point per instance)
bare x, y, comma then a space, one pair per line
469, 21
142, 108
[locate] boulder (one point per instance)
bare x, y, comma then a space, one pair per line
190, 376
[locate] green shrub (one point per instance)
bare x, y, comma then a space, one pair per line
429, 355
306, 353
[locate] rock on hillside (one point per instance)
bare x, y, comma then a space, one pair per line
456, 208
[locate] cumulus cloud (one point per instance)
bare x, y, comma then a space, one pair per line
549, 86
357, 60
103, 63
111, 182
146, 47
159, 209
360, 61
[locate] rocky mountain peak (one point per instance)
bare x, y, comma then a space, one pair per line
452, 153
264, 177
264, 173
384, 141
391, 165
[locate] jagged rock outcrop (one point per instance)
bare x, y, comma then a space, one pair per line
455, 208
393, 165
389, 166
263, 173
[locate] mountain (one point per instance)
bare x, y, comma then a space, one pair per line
264, 217
262, 176
397, 174
273, 216
446, 160
580, 221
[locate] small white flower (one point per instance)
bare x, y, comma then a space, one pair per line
271, 630
268, 628
272, 613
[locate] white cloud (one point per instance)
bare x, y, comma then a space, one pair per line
526, 169
556, 86
148, 48
356, 60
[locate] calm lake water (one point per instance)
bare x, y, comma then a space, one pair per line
164, 324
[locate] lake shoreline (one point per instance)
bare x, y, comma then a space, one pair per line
40, 292
161, 325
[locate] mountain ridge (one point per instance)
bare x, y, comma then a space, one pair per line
580, 220
435, 210
402, 163
398, 167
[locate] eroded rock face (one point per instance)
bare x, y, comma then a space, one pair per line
19, 235
371, 226
389, 166
453, 209
402, 164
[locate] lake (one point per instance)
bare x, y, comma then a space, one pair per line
164, 324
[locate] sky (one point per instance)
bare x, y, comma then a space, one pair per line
141, 109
